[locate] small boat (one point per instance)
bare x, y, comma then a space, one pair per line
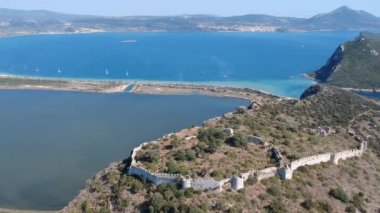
37, 70
225, 76
107, 71
59, 70
129, 41
127, 73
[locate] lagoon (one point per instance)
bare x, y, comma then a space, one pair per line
52, 142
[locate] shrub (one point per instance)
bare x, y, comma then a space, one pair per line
157, 202
276, 207
175, 143
339, 194
190, 155
194, 209
136, 187
251, 181
174, 168
85, 207
150, 156
216, 174
238, 141
212, 138
307, 204
358, 200
350, 209
180, 155
323, 206
210, 134
274, 191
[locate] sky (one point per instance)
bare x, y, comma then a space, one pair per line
294, 8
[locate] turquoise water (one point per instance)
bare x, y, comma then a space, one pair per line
272, 62
52, 142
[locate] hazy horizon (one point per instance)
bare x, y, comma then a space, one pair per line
290, 8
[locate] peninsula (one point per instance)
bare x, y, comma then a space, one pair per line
319, 153
355, 65
280, 155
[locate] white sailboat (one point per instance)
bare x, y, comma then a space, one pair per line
127, 73
59, 70
107, 71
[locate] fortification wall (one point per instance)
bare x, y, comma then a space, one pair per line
205, 184
156, 178
237, 182
311, 160
266, 173
347, 154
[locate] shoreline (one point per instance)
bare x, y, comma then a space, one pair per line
135, 86
13, 82
6, 210
91, 31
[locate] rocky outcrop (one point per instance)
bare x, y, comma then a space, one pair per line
355, 64
331, 66
311, 91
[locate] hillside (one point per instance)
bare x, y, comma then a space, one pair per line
324, 120
345, 18
21, 22
355, 64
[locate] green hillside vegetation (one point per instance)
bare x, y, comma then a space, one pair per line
356, 64
351, 186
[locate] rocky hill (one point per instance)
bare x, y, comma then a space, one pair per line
325, 119
343, 17
19, 22
355, 64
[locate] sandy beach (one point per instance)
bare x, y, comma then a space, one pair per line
34, 83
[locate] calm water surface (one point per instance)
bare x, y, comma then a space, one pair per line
269, 61
52, 142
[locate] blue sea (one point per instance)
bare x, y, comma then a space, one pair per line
273, 62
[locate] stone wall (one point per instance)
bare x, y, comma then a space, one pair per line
144, 174
205, 184
287, 171
311, 160
237, 182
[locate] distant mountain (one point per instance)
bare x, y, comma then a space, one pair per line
344, 18
18, 22
355, 64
